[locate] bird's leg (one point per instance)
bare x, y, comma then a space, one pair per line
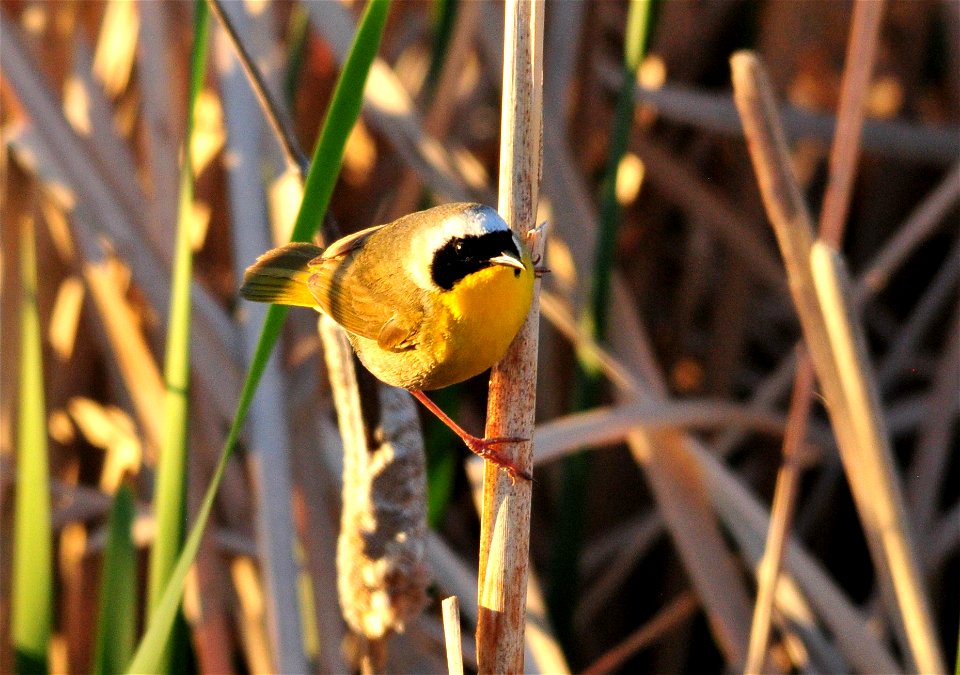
480, 446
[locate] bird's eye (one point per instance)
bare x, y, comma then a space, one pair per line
458, 246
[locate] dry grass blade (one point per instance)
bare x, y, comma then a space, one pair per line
607, 425
928, 469
685, 511
747, 521
267, 433
845, 150
716, 112
916, 229
869, 466
679, 610
784, 501
844, 154
65, 160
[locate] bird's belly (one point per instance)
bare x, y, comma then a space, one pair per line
467, 332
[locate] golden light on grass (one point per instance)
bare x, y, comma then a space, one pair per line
76, 105
209, 134
652, 73
246, 581
360, 155
885, 98
113, 431
73, 546
34, 18
199, 223
58, 227
629, 178
117, 46
284, 195
60, 427
62, 332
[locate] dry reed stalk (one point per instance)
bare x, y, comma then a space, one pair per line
929, 465
919, 226
781, 514
267, 432
681, 609
707, 111
852, 410
747, 521
66, 161
711, 567
844, 155
607, 425
505, 518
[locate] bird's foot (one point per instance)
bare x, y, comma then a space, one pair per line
485, 448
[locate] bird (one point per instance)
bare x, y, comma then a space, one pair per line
428, 300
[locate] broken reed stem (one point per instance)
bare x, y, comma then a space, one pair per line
781, 513
450, 608
844, 156
505, 517
850, 396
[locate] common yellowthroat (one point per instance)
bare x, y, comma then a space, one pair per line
427, 301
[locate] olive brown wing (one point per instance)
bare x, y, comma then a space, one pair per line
371, 303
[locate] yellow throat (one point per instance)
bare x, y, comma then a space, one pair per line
484, 312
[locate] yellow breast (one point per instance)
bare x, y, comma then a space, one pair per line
479, 318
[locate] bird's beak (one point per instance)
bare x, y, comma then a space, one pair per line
508, 260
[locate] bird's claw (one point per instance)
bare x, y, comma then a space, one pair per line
484, 448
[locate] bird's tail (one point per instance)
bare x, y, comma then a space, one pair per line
280, 276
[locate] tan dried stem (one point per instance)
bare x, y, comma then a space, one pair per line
505, 518
836, 346
781, 514
844, 155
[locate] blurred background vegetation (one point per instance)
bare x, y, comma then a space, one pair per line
646, 559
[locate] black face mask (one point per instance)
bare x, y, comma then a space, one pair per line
463, 256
